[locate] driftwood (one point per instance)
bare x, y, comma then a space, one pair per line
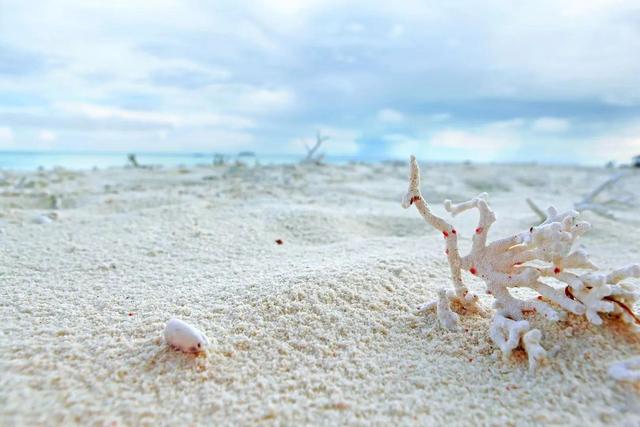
131, 157
312, 152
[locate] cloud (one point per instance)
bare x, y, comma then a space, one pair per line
489, 137
550, 124
187, 78
501, 126
487, 142
622, 99
389, 115
402, 146
6, 135
47, 136
261, 100
175, 120
478, 144
620, 145
264, 72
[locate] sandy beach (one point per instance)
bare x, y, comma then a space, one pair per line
319, 330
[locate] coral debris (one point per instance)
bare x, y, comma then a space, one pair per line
529, 259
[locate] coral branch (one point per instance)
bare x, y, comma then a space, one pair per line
599, 189
535, 208
487, 218
623, 273
414, 197
447, 318
535, 352
506, 333
533, 259
588, 203
509, 334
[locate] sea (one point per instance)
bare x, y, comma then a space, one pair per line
34, 160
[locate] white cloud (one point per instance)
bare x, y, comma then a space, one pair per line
550, 124
47, 135
275, 66
389, 115
503, 125
257, 100
188, 139
628, 99
620, 146
473, 141
99, 112
484, 143
489, 137
402, 146
6, 134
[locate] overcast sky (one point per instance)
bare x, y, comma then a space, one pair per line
543, 80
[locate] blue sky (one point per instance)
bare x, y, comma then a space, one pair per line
549, 81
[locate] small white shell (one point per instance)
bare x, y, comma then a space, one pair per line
184, 337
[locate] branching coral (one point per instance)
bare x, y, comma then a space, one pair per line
529, 259
535, 352
589, 203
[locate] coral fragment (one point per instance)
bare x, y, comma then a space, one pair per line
539, 259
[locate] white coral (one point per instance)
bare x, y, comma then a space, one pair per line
535, 351
447, 317
506, 333
510, 334
589, 203
530, 259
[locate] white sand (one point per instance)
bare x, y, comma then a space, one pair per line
320, 330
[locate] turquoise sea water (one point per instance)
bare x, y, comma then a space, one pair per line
32, 160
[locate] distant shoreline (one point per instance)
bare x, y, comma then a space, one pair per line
29, 160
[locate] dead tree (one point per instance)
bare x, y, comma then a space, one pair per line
131, 157
312, 152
